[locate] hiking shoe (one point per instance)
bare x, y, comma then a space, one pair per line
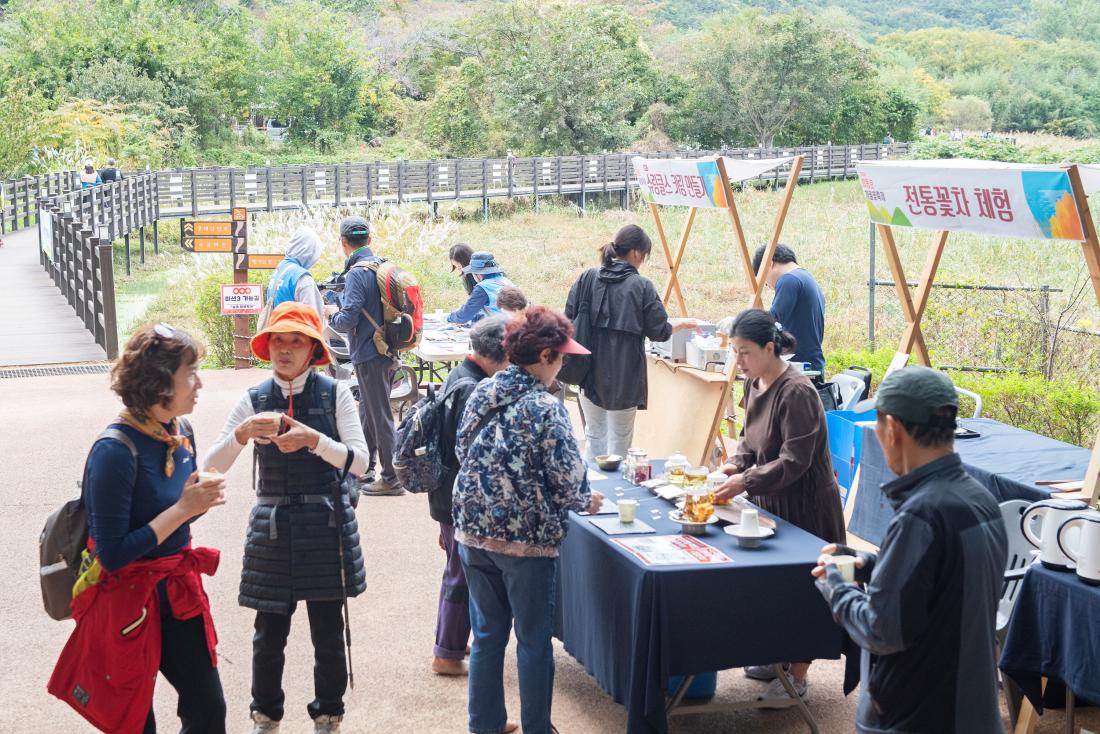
763, 672
326, 724
383, 488
262, 724
776, 691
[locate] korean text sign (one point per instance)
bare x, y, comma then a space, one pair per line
681, 182
1005, 201
242, 298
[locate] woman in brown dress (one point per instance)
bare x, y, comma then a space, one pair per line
782, 463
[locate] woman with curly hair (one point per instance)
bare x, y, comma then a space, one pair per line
139, 603
521, 474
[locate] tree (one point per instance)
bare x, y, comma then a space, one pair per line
969, 113
756, 77
458, 118
314, 73
21, 111
566, 78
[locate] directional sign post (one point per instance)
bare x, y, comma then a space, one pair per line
241, 335
228, 237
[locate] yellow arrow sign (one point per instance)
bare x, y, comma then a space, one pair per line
212, 229
263, 262
207, 244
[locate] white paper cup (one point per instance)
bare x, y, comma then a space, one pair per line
207, 476
750, 522
847, 567
627, 510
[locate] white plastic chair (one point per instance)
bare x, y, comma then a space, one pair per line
973, 396
1019, 558
850, 388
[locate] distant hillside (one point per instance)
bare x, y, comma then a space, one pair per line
876, 17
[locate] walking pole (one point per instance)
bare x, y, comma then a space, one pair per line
339, 507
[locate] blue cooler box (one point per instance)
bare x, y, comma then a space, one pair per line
704, 685
846, 443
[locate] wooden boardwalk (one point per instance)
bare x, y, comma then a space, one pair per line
37, 324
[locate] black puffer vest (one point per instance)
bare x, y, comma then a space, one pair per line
292, 550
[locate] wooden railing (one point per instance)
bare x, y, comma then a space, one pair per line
19, 197
199, 191
78, 229
78, 226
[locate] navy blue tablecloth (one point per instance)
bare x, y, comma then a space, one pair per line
1005, 459
1054, 632
632, 626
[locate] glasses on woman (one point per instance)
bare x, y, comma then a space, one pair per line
164, 331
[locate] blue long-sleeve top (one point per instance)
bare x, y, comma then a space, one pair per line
800, 306
473, 309
480, 303
121, 504
360, 292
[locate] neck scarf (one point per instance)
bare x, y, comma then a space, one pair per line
157, 432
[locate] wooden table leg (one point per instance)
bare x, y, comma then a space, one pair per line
1029, 717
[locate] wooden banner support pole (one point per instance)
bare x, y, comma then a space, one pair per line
673, 280
738, 230
1091, 248
901, 286
761, 278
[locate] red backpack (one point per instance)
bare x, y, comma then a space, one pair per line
402, 307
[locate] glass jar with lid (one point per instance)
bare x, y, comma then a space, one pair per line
643, 470
675, 466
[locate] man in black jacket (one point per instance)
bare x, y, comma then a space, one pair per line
927, 620
452, 630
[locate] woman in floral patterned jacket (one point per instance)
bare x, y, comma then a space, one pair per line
521, 474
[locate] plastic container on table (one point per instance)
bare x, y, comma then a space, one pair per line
704, 685
846, 443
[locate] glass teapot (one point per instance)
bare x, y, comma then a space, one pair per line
675, 466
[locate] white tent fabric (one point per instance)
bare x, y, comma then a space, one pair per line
742, 170
1090, 174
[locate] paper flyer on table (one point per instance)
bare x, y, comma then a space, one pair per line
672, 550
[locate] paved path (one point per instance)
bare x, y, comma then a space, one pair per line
37, 324
49, 424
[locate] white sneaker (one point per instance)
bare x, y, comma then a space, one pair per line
327, 724
262, 724
777, 691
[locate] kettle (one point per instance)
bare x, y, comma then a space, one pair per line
1053, 513
1085, 550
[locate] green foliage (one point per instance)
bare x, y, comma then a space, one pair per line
459, 115
1000, 149
566, 78
969, 113
758, 78
21, 111
313, 73
1066, 408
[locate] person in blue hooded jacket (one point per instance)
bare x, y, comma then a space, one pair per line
483, 298
292, 280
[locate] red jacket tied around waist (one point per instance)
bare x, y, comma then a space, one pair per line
108, 668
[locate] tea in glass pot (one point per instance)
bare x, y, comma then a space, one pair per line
698, 503
675, 466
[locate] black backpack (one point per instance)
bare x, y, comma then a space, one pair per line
418, 450
65, 535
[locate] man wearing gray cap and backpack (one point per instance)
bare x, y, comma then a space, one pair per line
927, 620
362, 305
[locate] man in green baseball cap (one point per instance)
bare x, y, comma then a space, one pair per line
927, 619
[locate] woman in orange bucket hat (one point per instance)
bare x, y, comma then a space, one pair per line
303, 539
